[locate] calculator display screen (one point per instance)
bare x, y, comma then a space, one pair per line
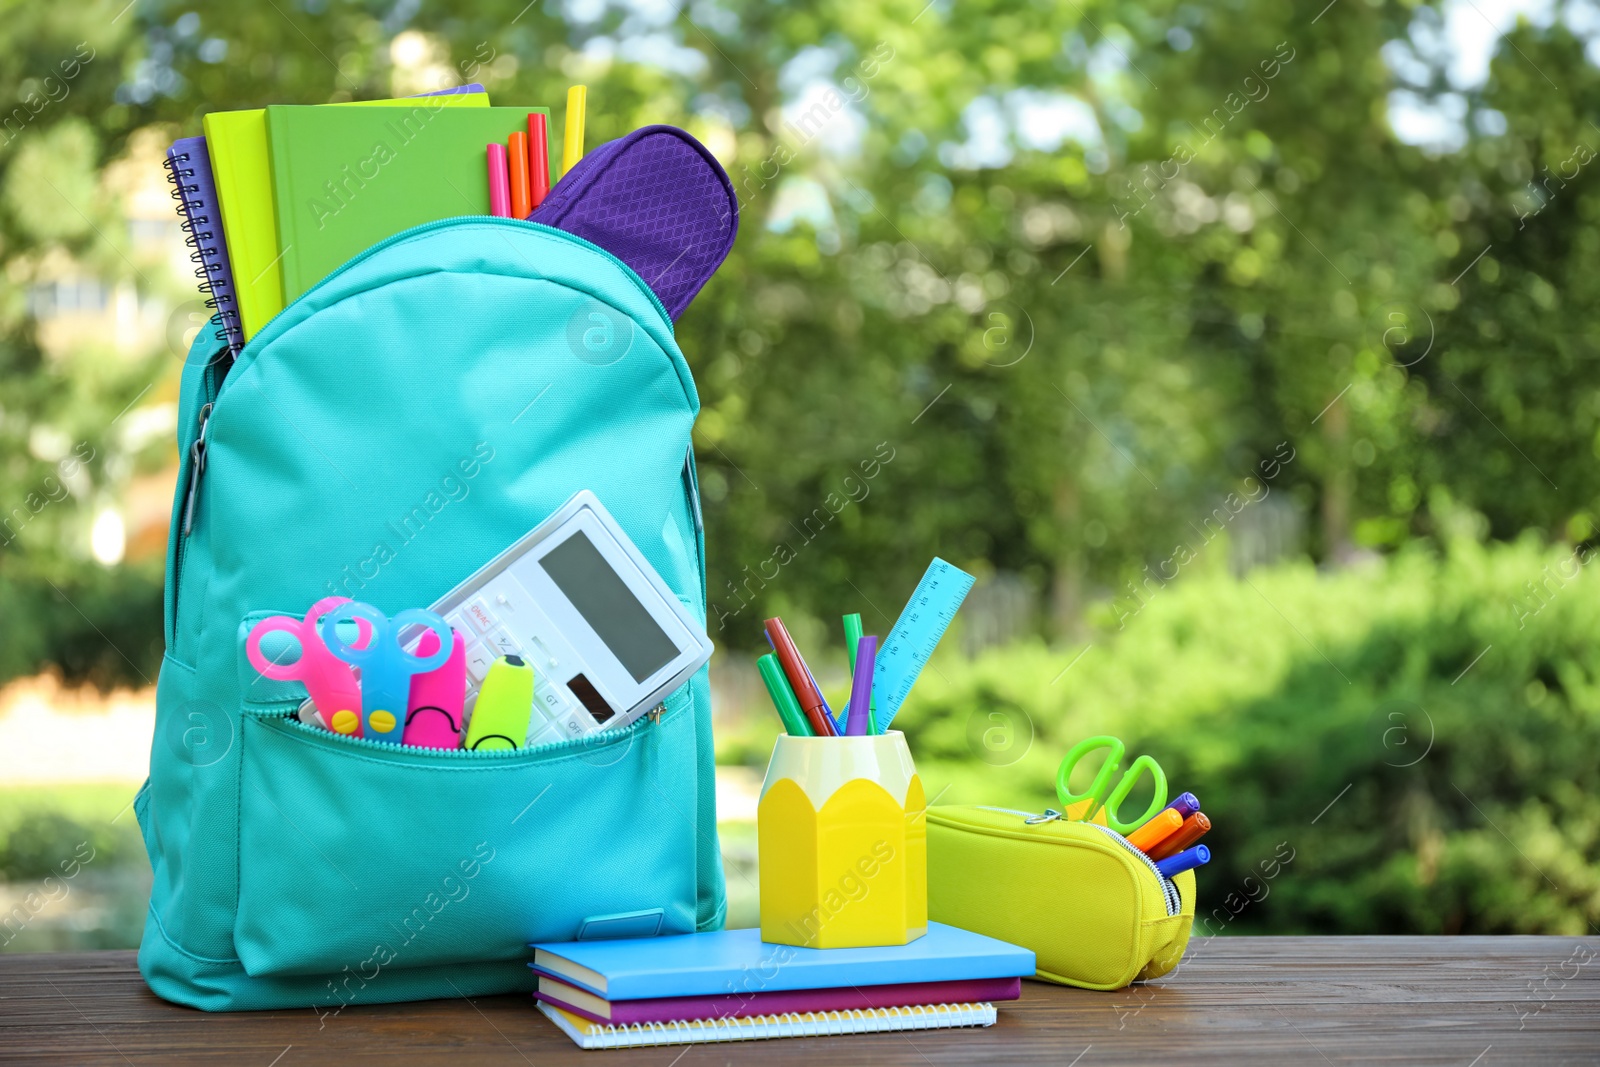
607, 604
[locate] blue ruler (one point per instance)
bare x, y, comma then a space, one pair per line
915, 635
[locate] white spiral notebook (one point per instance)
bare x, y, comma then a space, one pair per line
811, 1024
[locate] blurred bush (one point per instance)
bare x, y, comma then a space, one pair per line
1424, 733
73, 873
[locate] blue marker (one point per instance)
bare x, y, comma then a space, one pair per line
1186, 860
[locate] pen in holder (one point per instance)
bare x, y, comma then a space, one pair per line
843, 843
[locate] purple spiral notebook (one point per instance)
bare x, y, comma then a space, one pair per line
189, 171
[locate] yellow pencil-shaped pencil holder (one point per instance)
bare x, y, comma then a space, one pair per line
843, 843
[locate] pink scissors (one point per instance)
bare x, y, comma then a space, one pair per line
329, 681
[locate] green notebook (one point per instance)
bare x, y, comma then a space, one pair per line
236, 141
345, 178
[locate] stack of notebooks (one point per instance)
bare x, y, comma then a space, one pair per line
276, 198
732, 986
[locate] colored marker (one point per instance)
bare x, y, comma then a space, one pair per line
1185, 804
505, 706
852, 636
838, 724
572, 143
433, 714
794, 720
860, 710
499, 182
1160, 825
538, 159
805, 690
1186, 860
517, 161
1192, 830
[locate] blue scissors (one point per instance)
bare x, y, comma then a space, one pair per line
386, 667
1101, 794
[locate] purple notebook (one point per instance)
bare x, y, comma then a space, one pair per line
657, 200
189, 171
729, 1006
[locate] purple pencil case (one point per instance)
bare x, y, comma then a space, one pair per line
657, 200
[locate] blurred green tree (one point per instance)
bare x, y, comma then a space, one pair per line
1035, 287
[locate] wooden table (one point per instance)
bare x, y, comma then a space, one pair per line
1465, 1001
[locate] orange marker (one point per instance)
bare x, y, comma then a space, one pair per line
1161, 825
538, 159
1192, 830
517, 157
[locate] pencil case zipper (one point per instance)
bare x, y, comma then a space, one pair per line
1169, 892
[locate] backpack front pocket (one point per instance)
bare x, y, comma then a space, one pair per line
356, 857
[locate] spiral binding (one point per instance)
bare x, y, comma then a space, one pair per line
201, 231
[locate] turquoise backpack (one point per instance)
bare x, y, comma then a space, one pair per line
387, 434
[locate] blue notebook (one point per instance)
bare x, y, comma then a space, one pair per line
189, 171
738, 961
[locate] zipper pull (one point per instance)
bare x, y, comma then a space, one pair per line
655, 713
197, 467
1050, 815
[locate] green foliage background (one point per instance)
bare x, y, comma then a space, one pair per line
1073, 349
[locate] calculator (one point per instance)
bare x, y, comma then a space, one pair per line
576, 599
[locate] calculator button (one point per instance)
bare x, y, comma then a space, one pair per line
483, 620
502, 642
550, 701
479, 659
543, 733
574, 723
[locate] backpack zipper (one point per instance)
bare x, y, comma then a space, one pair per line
197, 467
289, 716
1169, 891
439, 224
210, 385
214, 383
214, 388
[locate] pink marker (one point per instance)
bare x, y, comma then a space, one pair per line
499, 182
433, 714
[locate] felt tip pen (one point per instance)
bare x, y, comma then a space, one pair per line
794, 720
572, 141
861, 687
538, 159
433, 715
505, 706
827, 709
499, 182
805, 690
1192, 830
517, 160
1185, 804
1186, 860
1161, 825
852, 637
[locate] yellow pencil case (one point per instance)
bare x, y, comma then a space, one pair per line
1094, 909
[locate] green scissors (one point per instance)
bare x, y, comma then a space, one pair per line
1101, 794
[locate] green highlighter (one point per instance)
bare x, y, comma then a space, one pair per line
505, 706
783, 698
852, 637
